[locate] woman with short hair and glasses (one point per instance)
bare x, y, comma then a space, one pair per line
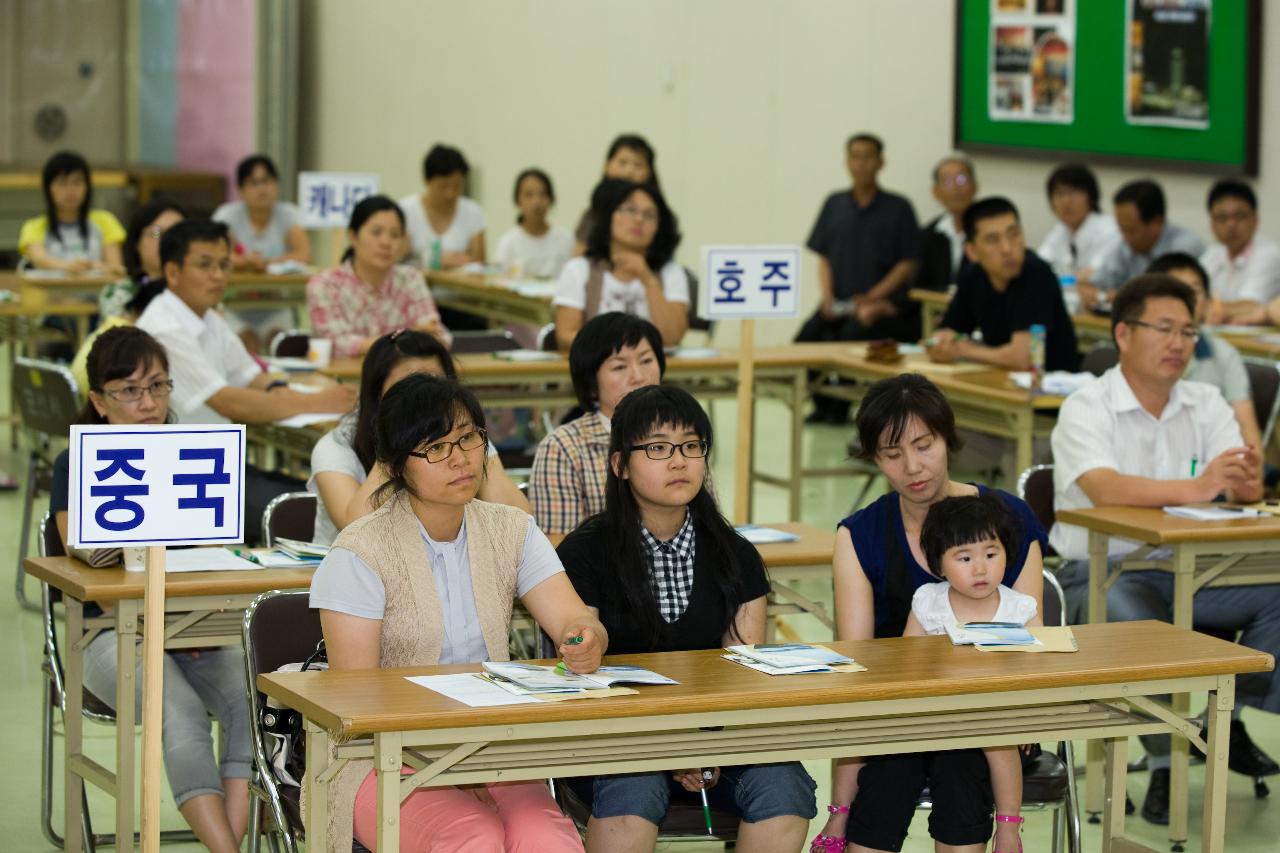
429, 578
629, 265
129, 384
677, 577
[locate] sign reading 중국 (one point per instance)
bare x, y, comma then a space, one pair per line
156, 485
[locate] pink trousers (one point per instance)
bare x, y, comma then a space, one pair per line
522, 818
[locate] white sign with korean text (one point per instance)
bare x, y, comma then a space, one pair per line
751, 282
327, 198
156, 485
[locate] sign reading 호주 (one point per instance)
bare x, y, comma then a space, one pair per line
327, 198
156, 485
751, 282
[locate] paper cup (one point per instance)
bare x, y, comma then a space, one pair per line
320, 351
135, 559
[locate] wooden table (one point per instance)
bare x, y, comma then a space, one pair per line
244, 289
984, 399
1197, 553
919, 693
496, 298
203, 609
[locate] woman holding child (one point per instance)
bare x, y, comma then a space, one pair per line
907, 428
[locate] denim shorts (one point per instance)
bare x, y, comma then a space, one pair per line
754, 792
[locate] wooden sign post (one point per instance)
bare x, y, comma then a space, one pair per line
748, 283
154, 486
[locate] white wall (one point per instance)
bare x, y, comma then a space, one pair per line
748, 103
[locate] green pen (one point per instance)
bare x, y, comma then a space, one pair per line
245, 555
1194, 460
707, 775
572, 641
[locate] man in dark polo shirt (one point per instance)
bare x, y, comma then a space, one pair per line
868, 246
1005, 291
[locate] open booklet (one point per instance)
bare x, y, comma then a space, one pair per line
990, 634
521, 677
791, 658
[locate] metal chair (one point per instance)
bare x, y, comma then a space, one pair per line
1049, 781
48, 401
1264, 388
291, 343
1035, 486
547, 338
54, 701
291, 515
495, 340
696, 321
1100, 359
861, 468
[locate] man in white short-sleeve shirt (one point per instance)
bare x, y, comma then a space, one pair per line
1243, 266
1140, 435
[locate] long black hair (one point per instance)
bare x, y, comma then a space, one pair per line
419, 409
116, 354
67, 163
361, 213
637, 416
141, 220
641, 146
610, 195
386, 352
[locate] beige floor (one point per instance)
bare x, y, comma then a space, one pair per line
1254, 825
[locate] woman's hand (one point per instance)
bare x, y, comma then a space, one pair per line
1007, 839
629, 265
584, 656
692, 780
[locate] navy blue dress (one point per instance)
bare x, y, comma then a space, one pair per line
880, 541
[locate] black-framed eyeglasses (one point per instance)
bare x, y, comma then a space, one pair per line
442, 450
133, 393
1190, 334
660, 450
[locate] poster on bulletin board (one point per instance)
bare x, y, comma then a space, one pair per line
1159, 83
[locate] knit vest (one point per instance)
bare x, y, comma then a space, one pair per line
389, 541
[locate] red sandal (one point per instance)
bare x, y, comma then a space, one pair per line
829, 843
1004, 818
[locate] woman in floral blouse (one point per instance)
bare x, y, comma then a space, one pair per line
370, 295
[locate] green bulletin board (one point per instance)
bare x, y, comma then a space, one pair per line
1098, 125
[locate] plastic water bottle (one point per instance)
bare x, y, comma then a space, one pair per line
436, 255
1070, 296
1037, 355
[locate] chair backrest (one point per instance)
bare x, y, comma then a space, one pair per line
50, 544
46, 396
292, 343
291, 515
1100, 359
1035, 486
1055, 601
547, 338
696, 321
1264, 388
483, 341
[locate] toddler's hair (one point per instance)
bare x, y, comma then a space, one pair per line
965, 520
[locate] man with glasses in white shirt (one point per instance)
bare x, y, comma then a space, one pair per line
1141, 435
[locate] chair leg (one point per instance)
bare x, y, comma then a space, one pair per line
255, 822
46, 764
24, 534
1072, 805
86, 825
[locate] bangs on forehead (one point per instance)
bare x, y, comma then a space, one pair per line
897, 427
676, 428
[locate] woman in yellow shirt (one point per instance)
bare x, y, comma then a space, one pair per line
71, 235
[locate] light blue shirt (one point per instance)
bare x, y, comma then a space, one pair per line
1123, 263
344, 583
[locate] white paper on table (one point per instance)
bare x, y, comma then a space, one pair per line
1212, 513
309, 418
526, 355
467, 688
758, 535
206, 560
534, 289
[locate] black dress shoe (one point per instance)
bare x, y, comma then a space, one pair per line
1155, 808
1244, 756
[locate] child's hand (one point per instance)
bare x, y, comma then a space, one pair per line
692, 781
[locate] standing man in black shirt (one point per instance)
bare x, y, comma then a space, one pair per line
868, 246
1004, 292
942, 238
